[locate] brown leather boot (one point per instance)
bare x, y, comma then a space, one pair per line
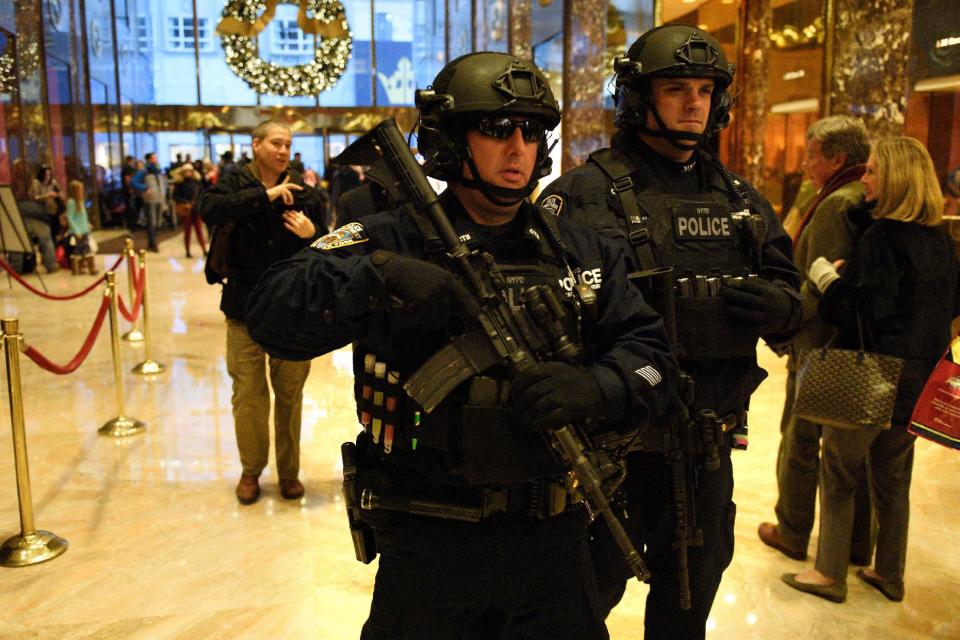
91, 263
291, 489
75, 265
248, 489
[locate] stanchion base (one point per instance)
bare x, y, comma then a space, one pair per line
134, 335
122, 426
33, 548
149, 368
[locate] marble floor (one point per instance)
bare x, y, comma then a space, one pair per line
160, 548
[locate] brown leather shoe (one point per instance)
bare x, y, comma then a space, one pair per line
770, 536
291, 489
248, 489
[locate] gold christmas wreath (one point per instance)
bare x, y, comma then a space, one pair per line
244, 19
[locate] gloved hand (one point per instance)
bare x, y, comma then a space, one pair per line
822, 273
548, 395
428, 294
758, 302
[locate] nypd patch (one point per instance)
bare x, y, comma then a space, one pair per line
553, 204
348, 234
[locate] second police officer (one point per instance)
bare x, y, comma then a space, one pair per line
523, 568
671, 204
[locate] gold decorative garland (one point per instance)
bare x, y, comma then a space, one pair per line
243, 20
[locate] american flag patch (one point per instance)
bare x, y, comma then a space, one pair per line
651, 375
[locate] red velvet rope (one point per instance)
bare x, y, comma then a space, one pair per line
43, 294
78, 359
131, 316
132, 268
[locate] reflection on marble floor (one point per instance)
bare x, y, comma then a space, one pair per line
160, 548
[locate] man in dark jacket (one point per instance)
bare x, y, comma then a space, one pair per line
671, 205
268, 214
476, 535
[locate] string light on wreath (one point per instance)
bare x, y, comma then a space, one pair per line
7, 78
244, 19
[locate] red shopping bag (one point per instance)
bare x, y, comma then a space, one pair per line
936, 415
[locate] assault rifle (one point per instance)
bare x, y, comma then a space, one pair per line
688, 435
516, 338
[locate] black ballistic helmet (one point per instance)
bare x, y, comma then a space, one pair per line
671, 51
475, 86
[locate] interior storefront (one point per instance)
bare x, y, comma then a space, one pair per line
84, 83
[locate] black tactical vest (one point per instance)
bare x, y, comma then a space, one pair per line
472, 434
699, 237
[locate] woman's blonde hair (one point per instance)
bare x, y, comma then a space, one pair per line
75, 191
907, 186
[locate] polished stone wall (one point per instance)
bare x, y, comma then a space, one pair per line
30, 69
752, 82
585, 23
521, 27
871, 49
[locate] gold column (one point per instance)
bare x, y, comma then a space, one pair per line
584, 44
31, 546
869, 56
751, 82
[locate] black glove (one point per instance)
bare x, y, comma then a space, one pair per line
758, 302
428, 294
551, 394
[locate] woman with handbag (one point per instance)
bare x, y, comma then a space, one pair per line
899, 291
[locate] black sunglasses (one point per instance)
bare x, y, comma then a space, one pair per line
502, 128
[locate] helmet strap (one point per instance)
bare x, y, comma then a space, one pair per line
683, 140
500, 196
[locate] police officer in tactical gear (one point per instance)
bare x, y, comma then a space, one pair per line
476, 535
669, 203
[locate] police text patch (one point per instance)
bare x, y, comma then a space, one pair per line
700, 223
553, 204
348, 234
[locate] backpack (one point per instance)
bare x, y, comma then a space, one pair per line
216, 269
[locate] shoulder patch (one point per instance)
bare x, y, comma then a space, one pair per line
348, 234
553, 204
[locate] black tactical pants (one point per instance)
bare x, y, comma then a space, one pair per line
513, 577
650, 526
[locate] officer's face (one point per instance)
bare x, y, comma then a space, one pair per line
272, 152
683, 103
869, 180
506, 162
820, 168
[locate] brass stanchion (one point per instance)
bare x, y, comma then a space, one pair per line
148, 366
134, 335
31, 546
122, 425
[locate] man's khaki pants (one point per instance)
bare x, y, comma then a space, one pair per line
251, 403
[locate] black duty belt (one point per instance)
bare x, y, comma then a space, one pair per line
650, 439
542, 499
